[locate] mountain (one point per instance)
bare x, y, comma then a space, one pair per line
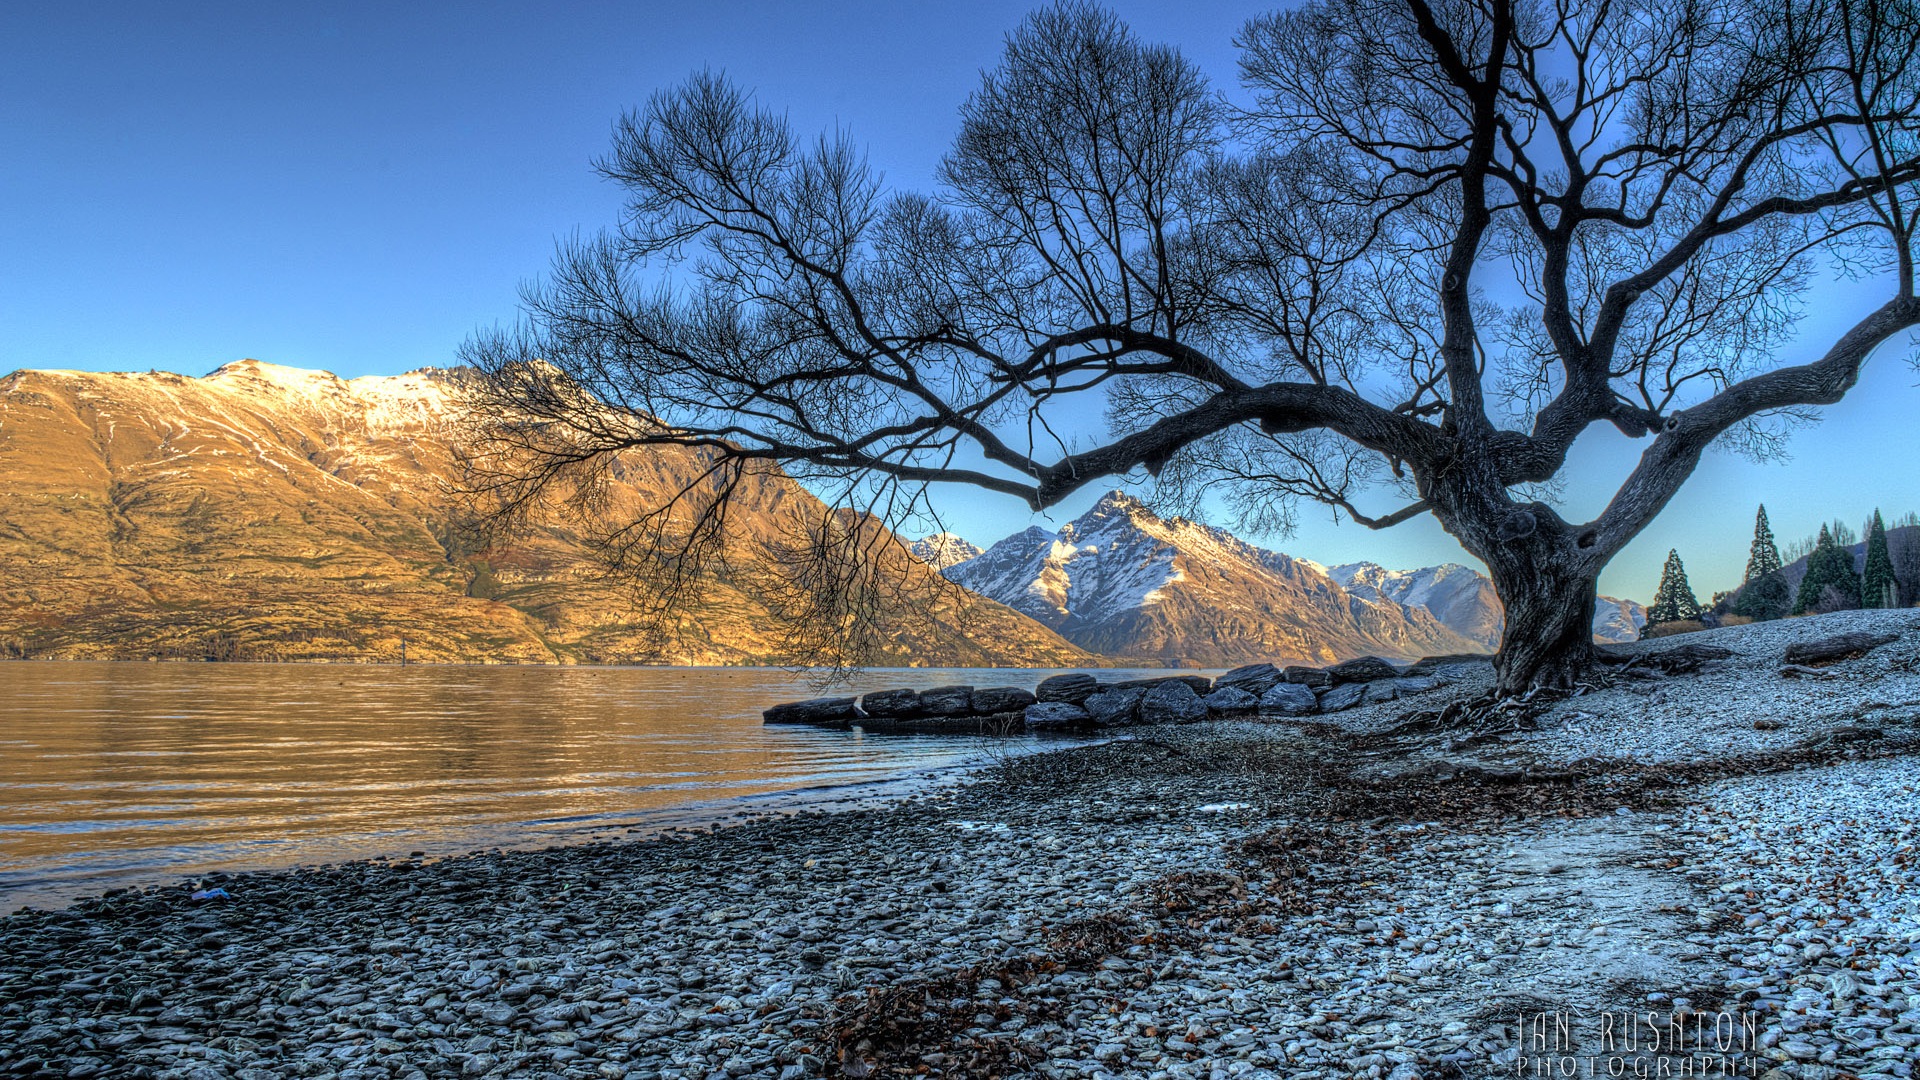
1121, 581
274, 513
1461, 598
942, 550
1617, 621
1464, 599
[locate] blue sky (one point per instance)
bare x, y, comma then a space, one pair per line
357, 186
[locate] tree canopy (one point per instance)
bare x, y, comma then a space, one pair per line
1428, 247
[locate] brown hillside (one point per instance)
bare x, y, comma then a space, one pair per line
264, 512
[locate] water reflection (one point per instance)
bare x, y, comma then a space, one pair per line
114, 773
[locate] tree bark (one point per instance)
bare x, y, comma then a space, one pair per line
1548, 637
1545, 571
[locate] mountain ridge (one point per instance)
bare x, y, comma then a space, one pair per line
269, 512
1122, 581
1031, 571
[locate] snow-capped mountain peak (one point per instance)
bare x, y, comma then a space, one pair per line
943, 550
1177, 591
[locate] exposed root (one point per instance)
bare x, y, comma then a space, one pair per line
1469, 796
890, 1031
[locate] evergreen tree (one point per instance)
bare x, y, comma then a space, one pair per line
1877, 588
1675, 600
1763, 557
1830, 566
1764, 593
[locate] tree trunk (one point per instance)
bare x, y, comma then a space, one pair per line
1545, 572
1548, 638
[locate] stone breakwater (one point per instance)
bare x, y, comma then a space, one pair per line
1082, 702
1356, 896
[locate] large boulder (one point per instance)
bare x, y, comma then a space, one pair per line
1827, 650
1390, 689
947, 701
1230, 700
1307, 676
1289, 699
1073, 688
1199, 684
1362, 669
1441, 665
1344, 696
1115, 708
1043, 715
893, 704
1001, 699
1172, 702
1253, 678
826, 710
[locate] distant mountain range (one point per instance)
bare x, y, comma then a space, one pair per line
1124, 582
271, 512
277, 513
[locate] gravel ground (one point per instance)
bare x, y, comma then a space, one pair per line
1215, 900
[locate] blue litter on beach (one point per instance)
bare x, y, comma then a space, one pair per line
211, 894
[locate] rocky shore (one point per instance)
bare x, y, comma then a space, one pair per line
1435, 887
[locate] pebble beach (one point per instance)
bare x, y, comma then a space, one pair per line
1356, 895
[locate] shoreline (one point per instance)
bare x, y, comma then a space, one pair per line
633, 825
1351, 897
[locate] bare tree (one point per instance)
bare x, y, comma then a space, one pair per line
1442, 240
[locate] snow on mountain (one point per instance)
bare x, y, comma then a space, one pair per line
1464, 599
1122, 581
1458, 596
1616, 621
943, 550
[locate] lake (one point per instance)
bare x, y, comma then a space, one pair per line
118, 774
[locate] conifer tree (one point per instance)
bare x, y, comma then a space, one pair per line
1830, 566
1764, 593
1763, 557
1675, 600
1877, 587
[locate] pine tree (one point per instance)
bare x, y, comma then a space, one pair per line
1764, 593
1829, 567
1877, 588
1675, 600
1763, 557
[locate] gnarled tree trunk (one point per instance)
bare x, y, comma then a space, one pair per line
1546, 575
1548, 639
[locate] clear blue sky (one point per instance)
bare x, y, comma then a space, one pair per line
356, 186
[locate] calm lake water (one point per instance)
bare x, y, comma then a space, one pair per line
126, 773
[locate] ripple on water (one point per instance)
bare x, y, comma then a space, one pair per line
121, 773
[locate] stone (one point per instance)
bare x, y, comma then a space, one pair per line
1289, 699
947, 701
1830, 650
1230, 700
1307, 676
1072, 688
826, 710
1001, 699
1056, 714
893, 704
1362, 669
1171, 702
1253, 678
1439, 665
1200, 684
1345, 696
1389, 689
1115, 708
